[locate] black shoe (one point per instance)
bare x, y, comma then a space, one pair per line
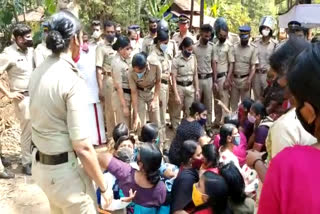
27, 169
6, 174
5, 162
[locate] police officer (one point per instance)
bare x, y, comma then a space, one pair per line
266, 46
184, 25
120, 71
148, 40
42, 52
224, 63
104, 56
18, 61
96, 33
60, 132
145, 84
246, 56
204, 51
159, 56
184, 80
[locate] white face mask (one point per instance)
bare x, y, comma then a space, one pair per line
96, 34
265, 32
163, 47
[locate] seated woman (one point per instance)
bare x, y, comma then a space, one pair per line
241, 150
258, 117
229, 137
210, 194
210, 159
150, 134
191, 157
120, 130
150, 191
239, 202
123, 150
190, 128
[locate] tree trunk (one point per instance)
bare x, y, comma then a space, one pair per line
191, 15
201, 12
138, 10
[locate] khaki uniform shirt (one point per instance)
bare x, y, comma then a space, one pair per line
183, 68
19, 66
120, 71
264, 52
178, 39
172, 49
104, 56
205, 55
223, 55
148, 81
41, 53
58, 105
147, 44
244, 57
163, 60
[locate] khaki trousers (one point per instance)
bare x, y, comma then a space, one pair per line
186, 95
163, 103
23, 114
224, 96
109, 109
67, 186
144, 100
238, 92
259, 84
206, 96
120, 117
172, 106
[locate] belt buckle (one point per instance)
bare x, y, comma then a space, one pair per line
203, 76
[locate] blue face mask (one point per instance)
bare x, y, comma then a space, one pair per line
236, 140
157, 141
140, 75
202, 121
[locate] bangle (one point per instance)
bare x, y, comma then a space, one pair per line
254, 163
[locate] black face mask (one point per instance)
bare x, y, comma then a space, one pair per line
118, 35
222, 40
244, 42
28, 43
110, 38
153, 30
187, 53
311, 128
205, 41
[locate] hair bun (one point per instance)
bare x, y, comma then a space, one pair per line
55, 42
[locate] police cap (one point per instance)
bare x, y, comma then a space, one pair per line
244, 31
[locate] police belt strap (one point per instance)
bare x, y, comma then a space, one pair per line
125, 90
240, 76
220, 75
184, 83
51, 159
204, 76
164, 81
144, 89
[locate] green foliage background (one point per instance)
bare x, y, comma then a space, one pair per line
127, 12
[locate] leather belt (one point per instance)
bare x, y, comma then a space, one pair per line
51, 159
126, 90
25, 93
240, 76
184, 84
204, 76
144, 89
220, 75
164, 81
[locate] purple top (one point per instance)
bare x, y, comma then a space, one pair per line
261, 134
147, 197
239, 151
248, 128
